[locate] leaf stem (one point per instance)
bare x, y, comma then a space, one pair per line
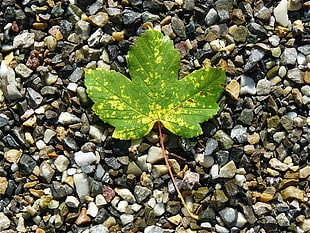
161, 140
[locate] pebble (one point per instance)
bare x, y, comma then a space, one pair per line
211, 17
228, 170
72, 202
3, 185
278, 165
23, 71
153, 229
159, 170
247, 86
46, 172
83, 29
263, 87
292, 192
154, 155
92, 209
4, 221
81, 185
83, 218
233, 89
282, 220
98, 229
141, 193
67, 118
255, 56
126, 218
99, 20
24, 40
211, 146
229, 216
225, 142
304, 172
239, 134
288, 56
126, 194
13, 155
84, 159
61, 163
280, 13
296, 75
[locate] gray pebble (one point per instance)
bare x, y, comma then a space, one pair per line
23, 70
247, 86
211, 17
288, 56
239, 134
296, 75
246, 116
131, 17
257, 29
211, 146
24, 40
141, 193
263, 87
229, 216
178, 27
255, 57
67, 118
305, 49
83, 29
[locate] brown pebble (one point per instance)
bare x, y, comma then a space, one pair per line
292, 192
233, 89
118, 35
33, 61
83, 218
3, 185
307, 76
297, 96
71, 217
15, 27
253, 138
40, 26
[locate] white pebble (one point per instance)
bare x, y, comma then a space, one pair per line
84, 159
72, 202
92, 209
61, 163
159, 209
280, 12
154, 155
100, 200
122, 206
126, 218
125, 194
67, 118
40, 144
82, 185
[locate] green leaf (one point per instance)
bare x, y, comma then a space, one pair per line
154, 93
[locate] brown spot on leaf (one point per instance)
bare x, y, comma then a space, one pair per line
201, 93
190, 100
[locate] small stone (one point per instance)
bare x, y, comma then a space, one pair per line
26, 164
257, 29
23, 71
159, 209
239, 134
246, 116
141, 193
134, 169
159, 170
34, 97
24, 40
4, 120
261, 208
292, 192
4, 221
98, 229
304, 172
225, 142
51, 43
82, 185
282, 220
211, 146
72, 202
247, 86
46, 172
229, 216
255, 56
92, 209
228, 170
288, 56
76, 75
280, 13
83, 29
3, 185
178, 27
99, 20
278, 165
118, 36
211, 17
13, 155
240, 33
84, 159
233, 89
263, 87
190, 180
287, 123
125, 194
274, 40
61, 163
238, 16
241, 220
131, 17
296, 75
154, 155
83, 218
253, 138
176, 219
153, 229
305, 225
67, 118
126, 218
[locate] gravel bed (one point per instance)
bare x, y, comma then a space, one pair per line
60, 169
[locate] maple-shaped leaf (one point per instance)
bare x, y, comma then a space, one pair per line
155, 93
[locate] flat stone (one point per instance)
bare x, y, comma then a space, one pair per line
263, 87
304, 172
13, 155
83, 29
239, 134
126, 194
82, 185
23, 71
211, 17
141, 193
67, 118
126, 218
277, 164
61, 163
83, 218
154, 154
296, 75
292, 192
84, 159
233, 89
280, 13
72, 202
46, 172
229, 216
283, 220
289, 56
24, 40
211, 146
255, 56
228, 170
99, 20
223, 139
4, 221
247, 86
3, 185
